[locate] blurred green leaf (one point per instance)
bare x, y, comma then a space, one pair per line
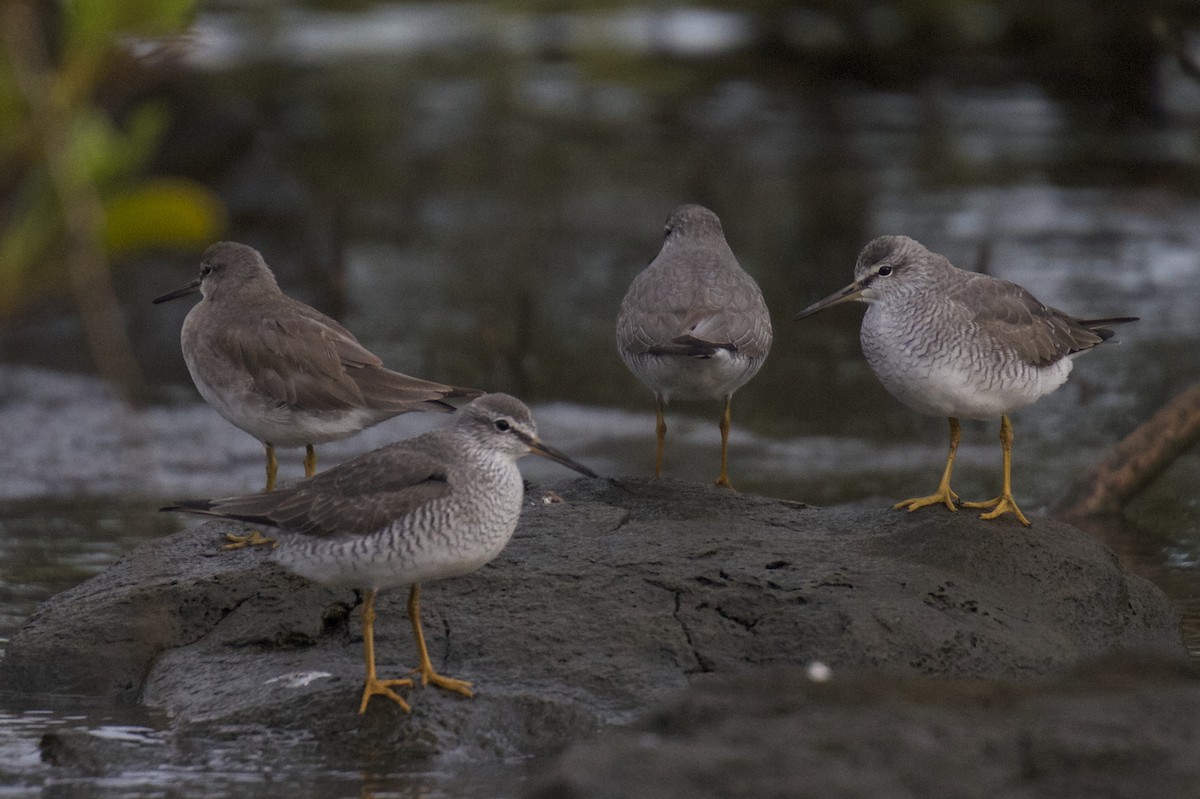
165, 212
30, 235
97, 24
101, 158
103, 153
143, 132
70, 171
13, 111
90, 145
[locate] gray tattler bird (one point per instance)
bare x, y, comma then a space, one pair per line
959, 344
282, 371
693, 325
439, 505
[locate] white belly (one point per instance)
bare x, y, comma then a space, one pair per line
953, 372
447, 537
279, 425
693, 379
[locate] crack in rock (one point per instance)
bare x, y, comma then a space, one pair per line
702, 663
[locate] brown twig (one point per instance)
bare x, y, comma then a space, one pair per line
1137, 460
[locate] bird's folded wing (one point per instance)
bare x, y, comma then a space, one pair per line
670, 311
292, 361
354, 375
733, 327
383, 389
701, 332
687, 346
359, 496
1037, 333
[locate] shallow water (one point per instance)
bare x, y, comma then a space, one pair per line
474, 208
236, 762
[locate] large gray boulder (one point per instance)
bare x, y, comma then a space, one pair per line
603, 605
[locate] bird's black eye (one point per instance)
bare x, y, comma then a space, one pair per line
884, 271
205, 269
502, 425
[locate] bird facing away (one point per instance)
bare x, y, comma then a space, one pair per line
439, 505
952, 343
282, 371
693, 325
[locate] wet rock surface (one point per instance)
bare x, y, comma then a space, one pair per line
1123, 727
608, 603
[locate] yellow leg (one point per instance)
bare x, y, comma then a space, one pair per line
272, 468
310, 461
1004, 503
723, 477
254, 538
943, 495
375, 686
660, 430
425, 666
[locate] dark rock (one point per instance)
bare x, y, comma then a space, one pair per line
103, 636
602, 606
100, 753
74, 749
1116, 728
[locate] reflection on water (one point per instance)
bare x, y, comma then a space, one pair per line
471, 192
47, 546
27, 722
73, 746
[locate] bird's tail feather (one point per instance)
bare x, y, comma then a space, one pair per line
1101, 326
383, 388
691, 346
238, 509
1110, 322
203, 506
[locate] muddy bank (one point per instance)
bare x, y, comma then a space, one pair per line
613, 601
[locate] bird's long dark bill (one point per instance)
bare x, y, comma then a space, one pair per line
538, 448
190, 288
851, 292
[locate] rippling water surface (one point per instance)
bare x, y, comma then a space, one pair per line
471, 193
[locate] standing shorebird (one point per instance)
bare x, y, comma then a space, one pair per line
960, 344
440, 505
693, 325
282, 371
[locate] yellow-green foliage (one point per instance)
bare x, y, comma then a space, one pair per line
68, 169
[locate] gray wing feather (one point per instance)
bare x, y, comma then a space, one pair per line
694, 298
359, 496
1011, 316
306, 360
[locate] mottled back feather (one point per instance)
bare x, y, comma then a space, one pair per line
360, 496
694, 298
1036, 332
